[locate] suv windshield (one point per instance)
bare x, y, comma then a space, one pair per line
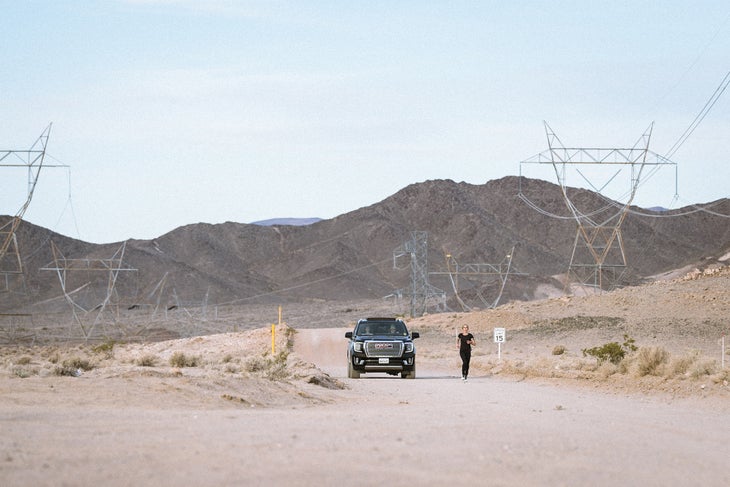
393, 328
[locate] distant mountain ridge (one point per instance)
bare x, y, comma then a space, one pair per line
297, 222
351, 256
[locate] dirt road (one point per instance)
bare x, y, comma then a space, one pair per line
435, 430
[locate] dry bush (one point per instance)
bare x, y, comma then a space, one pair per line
514, 366
179, 359
255, 364
559, 350
66, 371
22, 367
681, 365
651, 360
77, 363
702, 368
722, 377
588, 365
607, 369
540, 367
24, 360
73, 367
24, 371
147, 361
543, 367
624, 366
270, 367
105, 349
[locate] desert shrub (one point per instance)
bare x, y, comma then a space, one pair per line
66, 370
539, 367
586, 365
649, 360
273, 368
702, 368
612, 351
255, 364
179, 359
722, 377
227, 359
623, 367
607, 369
106, 349
24, 360
681, 365
147, 361
24, 371
559, 350
77, 363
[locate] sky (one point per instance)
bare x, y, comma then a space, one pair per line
173, 112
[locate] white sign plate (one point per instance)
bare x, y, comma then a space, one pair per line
499, 335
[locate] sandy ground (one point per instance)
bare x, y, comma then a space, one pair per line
240, 416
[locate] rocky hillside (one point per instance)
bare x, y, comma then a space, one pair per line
351, 256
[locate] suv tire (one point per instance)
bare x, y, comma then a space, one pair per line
351, 372
409, 375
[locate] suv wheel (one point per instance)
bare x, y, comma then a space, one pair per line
351, 372
409, 375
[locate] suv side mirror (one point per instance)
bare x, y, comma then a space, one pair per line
348, 334
415, 334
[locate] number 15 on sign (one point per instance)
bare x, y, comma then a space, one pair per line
499, 338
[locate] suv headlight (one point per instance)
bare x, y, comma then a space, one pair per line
357, 346
408, 347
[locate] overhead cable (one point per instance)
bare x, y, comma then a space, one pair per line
700, 116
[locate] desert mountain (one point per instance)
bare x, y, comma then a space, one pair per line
286, 221
352, 256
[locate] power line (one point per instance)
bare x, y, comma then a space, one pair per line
305, 284
700, 116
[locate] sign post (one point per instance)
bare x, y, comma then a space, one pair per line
499, 338
273, 338
273, 333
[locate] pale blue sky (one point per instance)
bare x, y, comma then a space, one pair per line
177, 112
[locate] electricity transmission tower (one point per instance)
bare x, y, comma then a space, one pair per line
598, 258
421, 292
11, 263
62, 266
501, 270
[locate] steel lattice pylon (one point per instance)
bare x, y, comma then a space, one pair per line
501, 270
598, 258
62, 266
421, 292
11, 264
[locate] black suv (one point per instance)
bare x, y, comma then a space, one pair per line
381, 345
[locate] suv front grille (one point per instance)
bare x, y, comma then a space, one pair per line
383, 349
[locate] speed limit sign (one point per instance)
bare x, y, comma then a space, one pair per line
499, 335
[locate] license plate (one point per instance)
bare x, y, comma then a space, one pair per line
383, 361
